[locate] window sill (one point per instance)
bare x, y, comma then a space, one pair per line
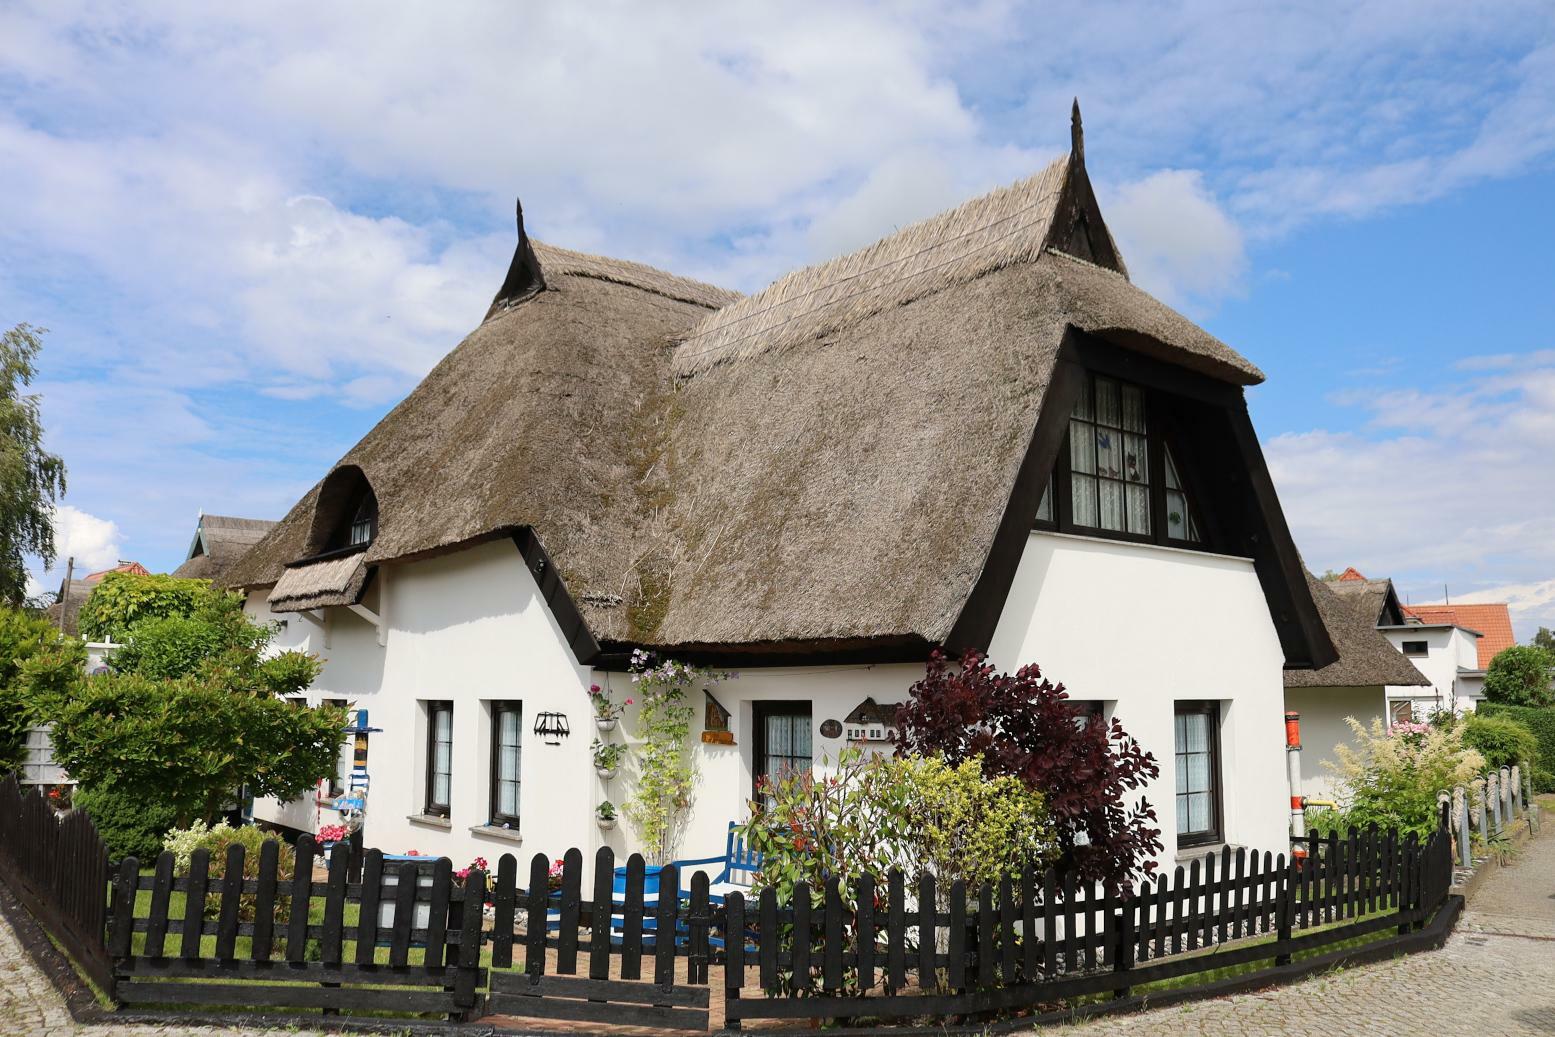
431, 821
1186, 855
511, 835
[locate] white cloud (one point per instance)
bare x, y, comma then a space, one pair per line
94, 543
1440, 487
1176, 239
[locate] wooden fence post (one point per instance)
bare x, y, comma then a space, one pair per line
734, 956
466, 978
1284, 905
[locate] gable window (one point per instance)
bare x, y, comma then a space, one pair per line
1416, 648
1197, 745
1115, 475
1401, 711
506, 756
440, 757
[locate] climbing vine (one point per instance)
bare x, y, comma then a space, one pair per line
666, 765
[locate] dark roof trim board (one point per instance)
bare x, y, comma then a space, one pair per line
553, 591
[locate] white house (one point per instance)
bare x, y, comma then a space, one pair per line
975, 432
1356, 685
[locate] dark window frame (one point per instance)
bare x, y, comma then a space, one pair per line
432, 808
1160, 435
761, 713
498, 708
364, 517
1216, 832
1415, 647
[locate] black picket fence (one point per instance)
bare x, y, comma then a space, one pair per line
59, 869
409, 938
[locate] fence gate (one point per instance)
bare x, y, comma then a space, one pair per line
631, 976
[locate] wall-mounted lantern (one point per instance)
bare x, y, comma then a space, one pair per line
552, 727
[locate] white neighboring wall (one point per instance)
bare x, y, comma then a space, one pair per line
1449, 651
1138, 627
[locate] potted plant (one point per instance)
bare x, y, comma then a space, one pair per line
605, 813
607, 758
606, 712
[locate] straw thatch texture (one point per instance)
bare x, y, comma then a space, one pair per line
1366, 658
564, 261
329, 581
220, 541
1370, 596
552, 414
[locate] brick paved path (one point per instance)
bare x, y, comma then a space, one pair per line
1495, 977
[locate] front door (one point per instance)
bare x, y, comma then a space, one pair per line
782, 742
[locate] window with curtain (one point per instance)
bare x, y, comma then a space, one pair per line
1116, 475
1198, 773
506, 757
783, 741
440, 755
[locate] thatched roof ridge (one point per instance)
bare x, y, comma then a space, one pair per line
1371, 596
219, 541
1366, 658
559, 261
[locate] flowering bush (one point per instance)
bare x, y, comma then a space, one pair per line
604, 708
1024, 726
478, 864
874, 813
553, 878
182, 842
331, 833
666, 771
1391, 779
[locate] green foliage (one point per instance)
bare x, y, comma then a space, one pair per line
874, 813
1521, 676
23, 637
189, 745
1542, 723
1501, 740
121, 600
666, 765
31, 478
130, 825
1391, 779
182, 842
1545, 639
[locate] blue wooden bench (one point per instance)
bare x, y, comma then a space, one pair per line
740, 864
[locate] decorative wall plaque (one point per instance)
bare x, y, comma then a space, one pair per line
830, 729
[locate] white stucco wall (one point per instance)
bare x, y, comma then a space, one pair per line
1448, 650
1323, 715
1135, 626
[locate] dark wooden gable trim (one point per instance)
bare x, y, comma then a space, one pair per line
1231, 478
554, 592
1078, 228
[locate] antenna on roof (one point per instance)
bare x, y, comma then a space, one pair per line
1076, 134
525, 278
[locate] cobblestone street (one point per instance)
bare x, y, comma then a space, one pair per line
1495, 977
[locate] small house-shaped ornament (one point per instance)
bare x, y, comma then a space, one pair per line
871, 721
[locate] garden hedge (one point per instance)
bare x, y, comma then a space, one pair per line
1541, 721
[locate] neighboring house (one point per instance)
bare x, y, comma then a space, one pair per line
1493, 623
1440, 640
975, 432
220, 540
66, 610
1355, 685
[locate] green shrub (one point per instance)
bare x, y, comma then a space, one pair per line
129, 824
22, 638
1521, 675
1501, 740
123, 599
182, 842
1542, 723
1391, 779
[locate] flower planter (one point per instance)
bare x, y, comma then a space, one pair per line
606, 823
605, 723
605, 773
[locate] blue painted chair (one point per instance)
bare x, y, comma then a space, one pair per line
740, 864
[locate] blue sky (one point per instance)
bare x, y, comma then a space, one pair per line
252, 228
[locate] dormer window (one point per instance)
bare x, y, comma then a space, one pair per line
1115, 475
364, 523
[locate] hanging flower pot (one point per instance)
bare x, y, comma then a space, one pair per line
605, 723
607, 824
605, 815
605, 773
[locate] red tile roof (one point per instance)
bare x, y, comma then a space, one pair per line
1352, 573
1492, 620
135, 568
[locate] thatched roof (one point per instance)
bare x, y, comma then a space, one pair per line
219, 541
339, 580
1376, 598
822, 466
66, 611
1366, 658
